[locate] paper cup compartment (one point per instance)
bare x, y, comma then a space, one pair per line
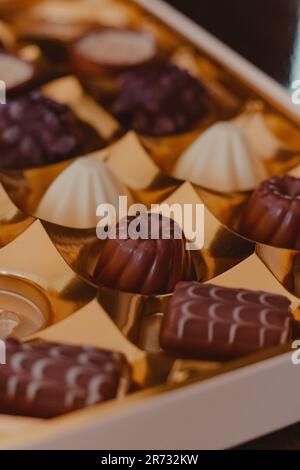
40, 293
282, 262
131, 167
222, 249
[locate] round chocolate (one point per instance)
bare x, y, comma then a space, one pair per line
15, 73
147, 256
272, 215
111, 50
37, 131
159, 100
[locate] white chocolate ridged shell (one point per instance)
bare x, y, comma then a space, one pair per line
221, 159
263, 142
73, 197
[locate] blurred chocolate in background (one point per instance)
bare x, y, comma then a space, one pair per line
266, 32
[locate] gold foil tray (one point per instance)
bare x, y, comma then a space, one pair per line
52, 265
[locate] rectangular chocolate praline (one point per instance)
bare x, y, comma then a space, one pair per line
210, 322
48, 380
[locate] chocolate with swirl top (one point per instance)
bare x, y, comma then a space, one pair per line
48, 380
218, 323
272, 214
144, 263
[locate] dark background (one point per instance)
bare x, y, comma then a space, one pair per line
266, 32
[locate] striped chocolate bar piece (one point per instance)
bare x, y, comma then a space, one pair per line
216, 323
47, 380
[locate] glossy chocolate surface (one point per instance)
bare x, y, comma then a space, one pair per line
159, 100
272, 215
144, 266
47, 379
217, 323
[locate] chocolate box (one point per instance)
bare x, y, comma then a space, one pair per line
176, 402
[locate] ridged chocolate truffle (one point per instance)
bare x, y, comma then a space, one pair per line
149, 264
272, 215
48, 380
205, 321
37, 131
159, 100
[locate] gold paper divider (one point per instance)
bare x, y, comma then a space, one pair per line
283, 263
138, 316
167, 150
126, 158
33, 269
13, 221
67, 90
92, 326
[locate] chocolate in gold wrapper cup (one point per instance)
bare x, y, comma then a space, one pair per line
282, 262
285, 136
223, 101
252, 273
133, 313
36, 284
99, 126
24, 188
126, 158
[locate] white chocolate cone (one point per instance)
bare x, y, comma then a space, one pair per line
264, 143
221, 159
72, 199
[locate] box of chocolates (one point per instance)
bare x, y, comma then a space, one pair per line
111, 338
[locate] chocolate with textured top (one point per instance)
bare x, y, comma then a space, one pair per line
148, 265
48, 380
36, 130
272, 215
160, 100
217, 323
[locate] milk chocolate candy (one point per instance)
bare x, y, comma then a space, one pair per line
149, 264
218, 323
48, 380
159, 100
36, 130
272, 215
